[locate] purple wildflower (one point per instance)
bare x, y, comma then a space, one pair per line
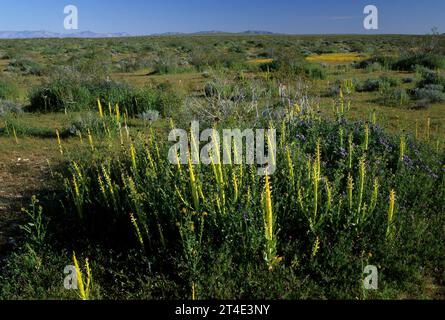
407, 160
301, 137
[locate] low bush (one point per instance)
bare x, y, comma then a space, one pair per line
8, 89
9, 107
430, 93
74, 94
26, 66
407, 62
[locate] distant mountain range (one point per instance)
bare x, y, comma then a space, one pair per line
48, 34
90, 34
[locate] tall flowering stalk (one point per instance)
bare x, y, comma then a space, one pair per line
290, 167
84, 287
375, 194
136, 228
133, 157
268, 211
316, 178
362, 174
59, 142
341, 135
350, 188
99, 106
365, 147
390, 227
17, 140
118, 114
270, 254
402, 147
193, 185
90, 139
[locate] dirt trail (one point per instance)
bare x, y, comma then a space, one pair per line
21, 176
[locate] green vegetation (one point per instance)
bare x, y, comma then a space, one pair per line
359, 174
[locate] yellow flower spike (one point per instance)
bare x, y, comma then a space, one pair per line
172, 124
133, 157
99, 105
329, 195
297, 108
375, 194
80, 283
350, 188
110, 109
235, 187
87, 289
316, 247
101, 185
136, 227
300, 199
248, 195
193, 291
193, 185
150, 158
318, 159
76, 187
315, 180
90, 139
402, 147
118, 114
392, 198
269, 213
178, 164
362, 173
59, 142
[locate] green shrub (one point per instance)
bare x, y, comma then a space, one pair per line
409, 63
372, 85
73, 94
60, 95
429, 77
315, 71
369, 85
405, 63
394, 97
430, 93
26, 66
9, 107
8, 89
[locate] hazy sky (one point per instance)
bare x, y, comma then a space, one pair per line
284, 16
